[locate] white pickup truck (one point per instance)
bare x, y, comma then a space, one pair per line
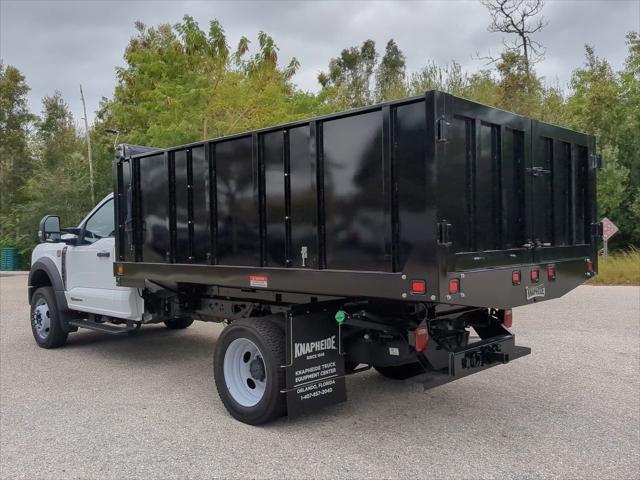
72, 276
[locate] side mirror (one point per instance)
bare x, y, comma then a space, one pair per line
70, 235
49, 229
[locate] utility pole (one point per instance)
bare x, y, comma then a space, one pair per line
88, 137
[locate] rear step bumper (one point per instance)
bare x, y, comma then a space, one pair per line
474, 358
484, 354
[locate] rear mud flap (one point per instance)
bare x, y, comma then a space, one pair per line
315, 370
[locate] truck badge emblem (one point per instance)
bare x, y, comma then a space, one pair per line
535, 291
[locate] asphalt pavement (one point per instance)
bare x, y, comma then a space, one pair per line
145, 406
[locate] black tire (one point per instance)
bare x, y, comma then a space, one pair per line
401, 372
269, 338
48, 333
350, 366
178, 323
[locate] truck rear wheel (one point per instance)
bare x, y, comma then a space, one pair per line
247, 361
45, 319
178, 323
400, 372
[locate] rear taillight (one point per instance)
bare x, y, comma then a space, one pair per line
507, 319
551, 272
422, 338
535, 275
589, 268
418, 287
515, 277
454, 286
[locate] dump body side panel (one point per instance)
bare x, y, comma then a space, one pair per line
360, 203
326, 194
354, 193
154, 234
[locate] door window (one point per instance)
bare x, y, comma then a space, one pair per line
100, 224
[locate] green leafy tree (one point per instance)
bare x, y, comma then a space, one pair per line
481, 86
349, 81
255, 91
553, 106
59, 180
519, 89
594, 105
391, 74
605, 104
181, 84
161, 90
15, 158
628, 137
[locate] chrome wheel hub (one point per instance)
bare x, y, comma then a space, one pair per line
244, 372
41, 319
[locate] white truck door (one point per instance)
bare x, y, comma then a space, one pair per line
91, 286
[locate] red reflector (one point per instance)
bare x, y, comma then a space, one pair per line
515, 277
535, 275
589, 266
508, 319
418, 287
422, 338
454, 285
551, 273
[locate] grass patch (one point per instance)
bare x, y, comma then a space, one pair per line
620, 268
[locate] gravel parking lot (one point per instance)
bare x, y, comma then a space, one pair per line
145, 406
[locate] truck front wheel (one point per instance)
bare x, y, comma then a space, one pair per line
45, 319
249, 354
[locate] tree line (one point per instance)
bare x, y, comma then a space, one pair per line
181, 84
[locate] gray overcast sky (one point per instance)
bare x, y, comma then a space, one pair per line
59, 44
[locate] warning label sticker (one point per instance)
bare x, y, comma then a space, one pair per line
259, 281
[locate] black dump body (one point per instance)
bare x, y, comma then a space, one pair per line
361, 203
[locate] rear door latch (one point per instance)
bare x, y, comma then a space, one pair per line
538, 171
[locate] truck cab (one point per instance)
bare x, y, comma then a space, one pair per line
72, 276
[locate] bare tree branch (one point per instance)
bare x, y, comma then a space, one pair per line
519, 17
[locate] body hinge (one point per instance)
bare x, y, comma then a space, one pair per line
444, 233
596, 229
596, 161
441, 130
